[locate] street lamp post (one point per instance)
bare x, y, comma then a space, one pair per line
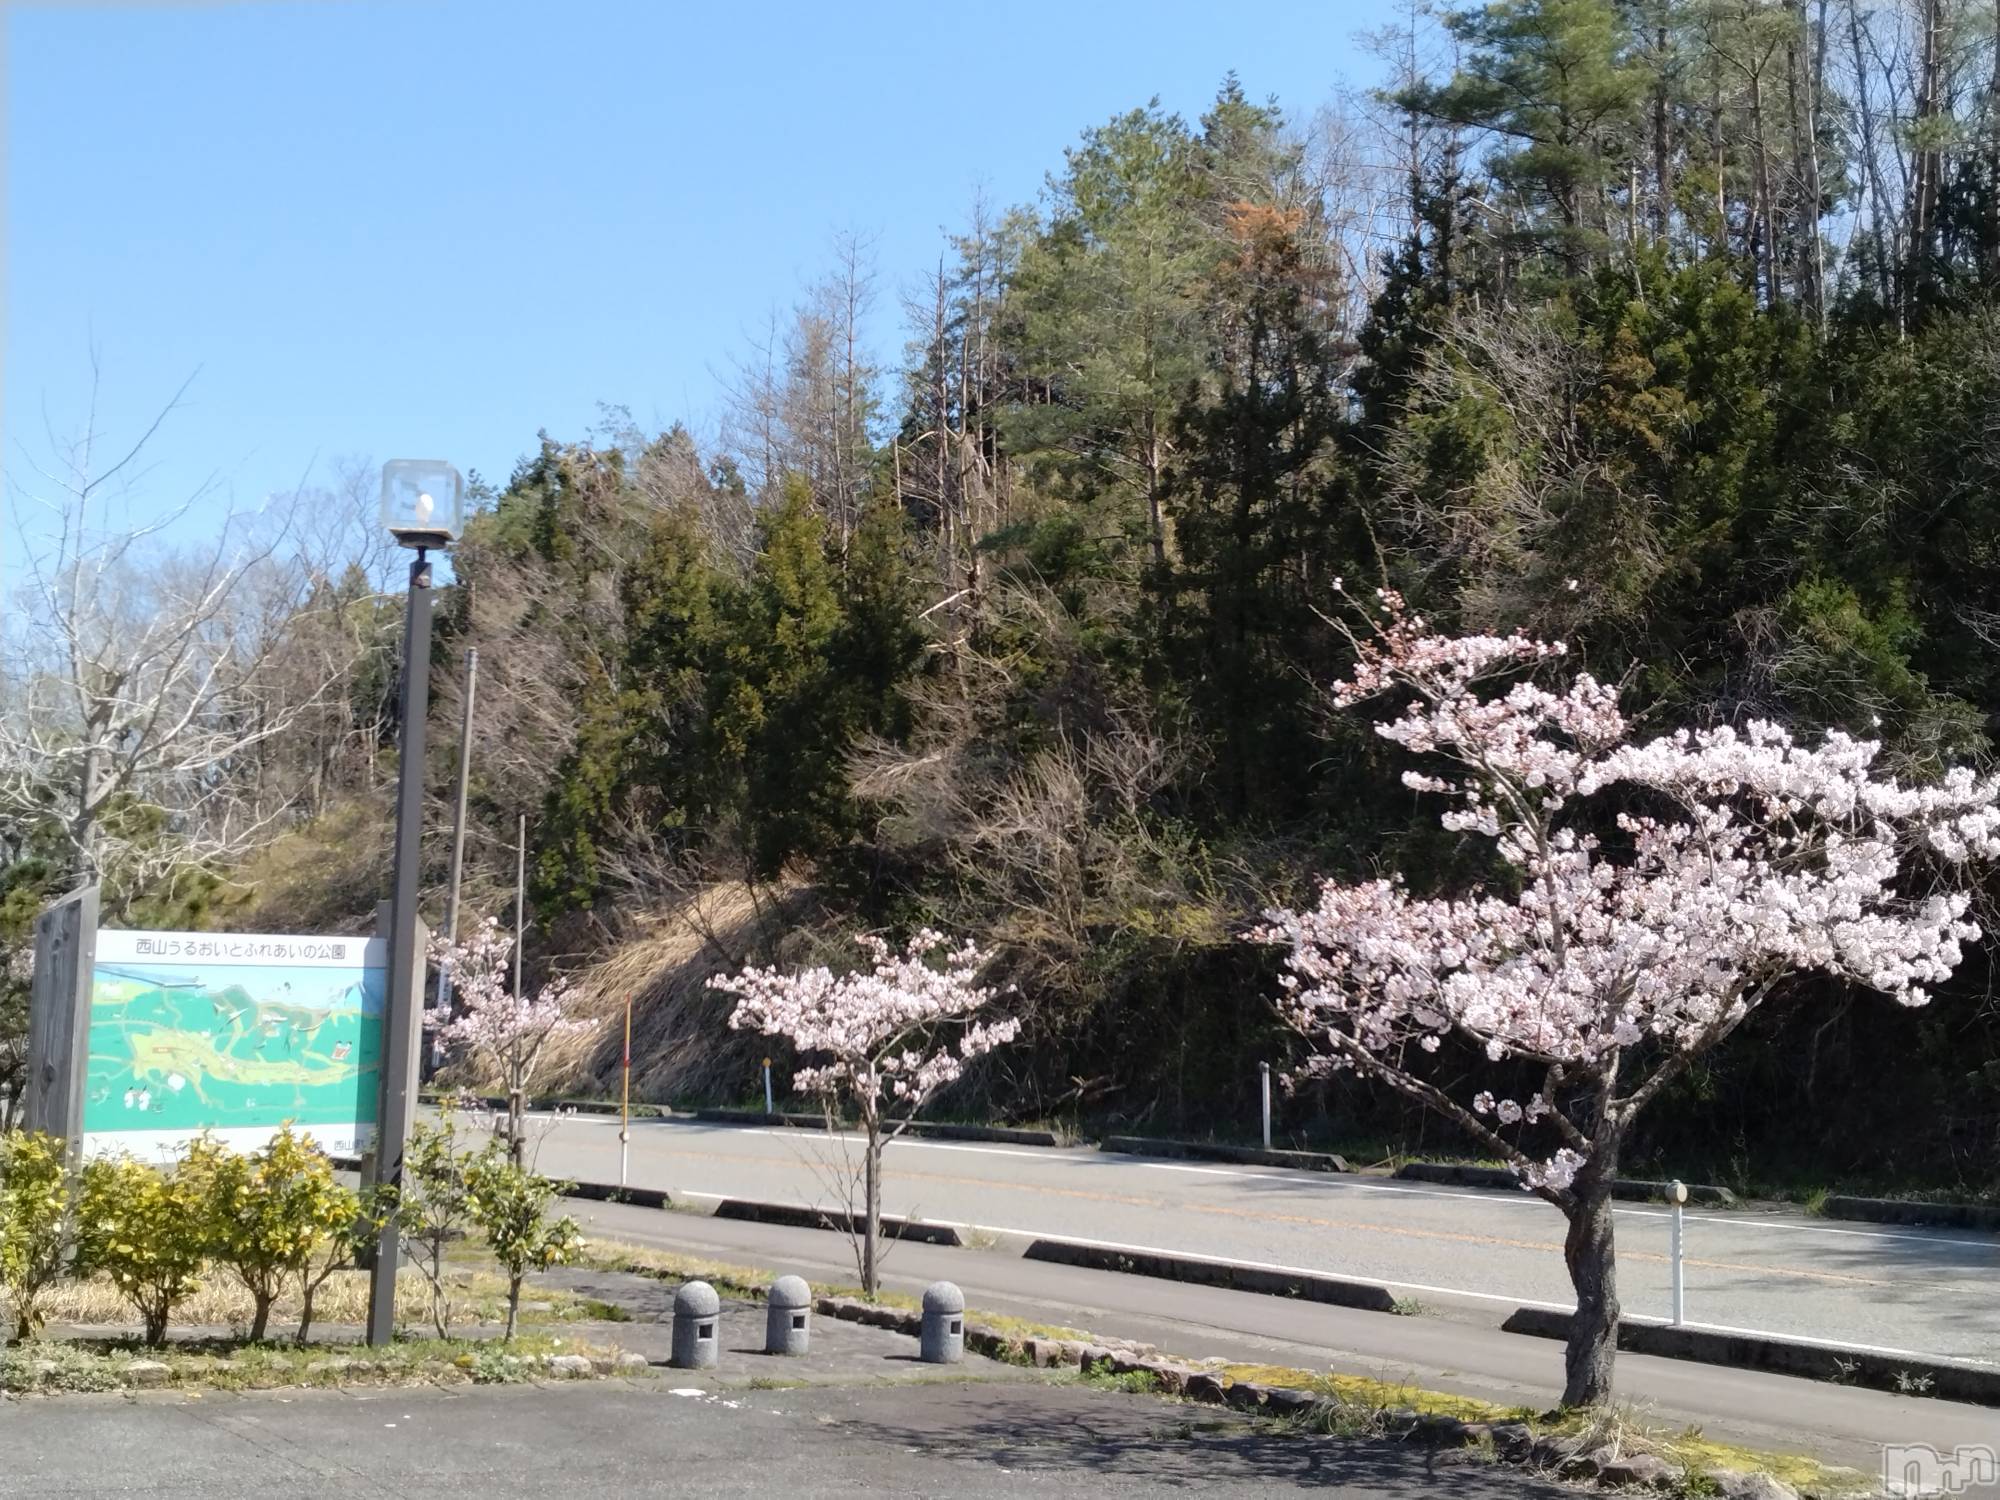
422, 507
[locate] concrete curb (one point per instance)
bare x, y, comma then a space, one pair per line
985, 1339
543, 1106
1883, 1372
1203, 1271
1903, 1211
799, 1216
941, 1130
1635, 1189
604, 1192
1006, 1135
1256, 1156
756, 1117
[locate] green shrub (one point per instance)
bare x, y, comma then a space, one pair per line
510, 1204
150, 1232
37, 1192
433, 1207
272, 1214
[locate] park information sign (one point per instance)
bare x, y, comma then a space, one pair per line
234, 1033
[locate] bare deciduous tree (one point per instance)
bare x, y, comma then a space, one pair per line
144, 678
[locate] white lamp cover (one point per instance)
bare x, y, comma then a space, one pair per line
423, 501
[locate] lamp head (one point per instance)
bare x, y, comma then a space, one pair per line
423, 502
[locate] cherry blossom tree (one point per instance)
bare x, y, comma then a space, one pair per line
891, 1035
1648, 895
495, 1023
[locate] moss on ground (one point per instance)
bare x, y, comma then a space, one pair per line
1687, 1449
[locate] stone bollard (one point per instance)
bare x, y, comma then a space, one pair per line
943, 1337
788, 1316
697, 1326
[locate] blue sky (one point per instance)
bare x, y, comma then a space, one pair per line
428, 229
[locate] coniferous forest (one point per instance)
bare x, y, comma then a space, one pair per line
1667, 328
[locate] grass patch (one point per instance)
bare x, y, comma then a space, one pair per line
1007, 1327
50, 1366
1698, 1455
221, 1302
1133, 1382
1350, 1397
1361, 1392
747, 1282
479, 1295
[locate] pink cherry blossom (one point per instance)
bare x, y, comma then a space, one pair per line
505, 1030
882, 1039
1648, 896
1660, 889
890, 1035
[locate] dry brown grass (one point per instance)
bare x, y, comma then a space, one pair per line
223, 1303
682, 1046
668, 1265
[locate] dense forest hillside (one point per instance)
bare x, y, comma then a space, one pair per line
1670, 328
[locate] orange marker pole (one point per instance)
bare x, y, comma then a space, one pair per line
625, 1100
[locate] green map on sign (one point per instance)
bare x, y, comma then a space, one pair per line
172, 1048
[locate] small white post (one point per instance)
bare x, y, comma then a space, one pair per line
1678, 1192
769, 1107
1264, 1075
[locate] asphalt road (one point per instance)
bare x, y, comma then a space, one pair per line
1899, 1290
599, 1439
1839, 1424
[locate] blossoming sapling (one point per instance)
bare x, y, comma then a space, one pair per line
890, 1036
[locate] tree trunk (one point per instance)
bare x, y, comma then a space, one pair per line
1802, 103
1763, 215
309, 1292
871, 1210
516, 1126
84, 830
260, 1315
1156, 523
1590, 1253
513, 1308
1864, 111
1990, 251
1663, 152
1929, 165
156, 1324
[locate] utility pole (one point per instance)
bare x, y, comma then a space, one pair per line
457, 836
517, 1106
520, 897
